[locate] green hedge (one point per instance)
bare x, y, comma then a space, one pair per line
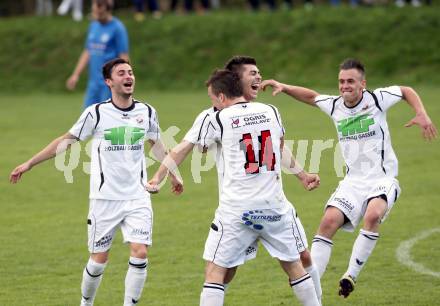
179, 52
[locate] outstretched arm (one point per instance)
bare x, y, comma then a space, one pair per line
58, 145
310, 181
429, 131
299, 93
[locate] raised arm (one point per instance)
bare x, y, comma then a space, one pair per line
429, 131
309, 181
301, 94
58, 145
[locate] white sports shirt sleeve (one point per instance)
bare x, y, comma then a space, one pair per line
211, 131
325, 103
85, 125
195, 132
388, 96
153, 132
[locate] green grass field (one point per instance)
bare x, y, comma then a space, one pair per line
43, 218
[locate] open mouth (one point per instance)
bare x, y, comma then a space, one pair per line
255, 86
128, 85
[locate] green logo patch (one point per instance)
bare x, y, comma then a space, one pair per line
124, 135
355, 125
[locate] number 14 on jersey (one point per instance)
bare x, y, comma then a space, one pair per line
266, 156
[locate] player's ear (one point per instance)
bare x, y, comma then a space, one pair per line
222, 98
364, 83
108, 82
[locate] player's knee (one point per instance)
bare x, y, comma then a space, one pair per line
329, 225
100, 258
139, 251
306, 259
372, 218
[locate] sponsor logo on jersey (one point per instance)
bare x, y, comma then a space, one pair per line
124, 135
256, 119
249, 119
235, 123
355, 125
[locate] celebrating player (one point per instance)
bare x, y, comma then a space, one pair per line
118, 198
252, 206
250, 79
370, 188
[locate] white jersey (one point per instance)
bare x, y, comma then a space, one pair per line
117, 170
363, 132
194, 136
249, 134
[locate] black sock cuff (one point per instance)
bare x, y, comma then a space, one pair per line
299, 280
322, 239
93, 275
142, 265
214, 286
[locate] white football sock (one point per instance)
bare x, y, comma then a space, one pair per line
321, 251
304, 290
212, 294
92, 276
313, 272
362, 249
135, 280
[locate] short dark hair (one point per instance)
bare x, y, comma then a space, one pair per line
235, 63
225, 82
108, 67
351, 63
107, 3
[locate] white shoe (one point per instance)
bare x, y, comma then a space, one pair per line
400, 3
416, 3
77, 16
63, 8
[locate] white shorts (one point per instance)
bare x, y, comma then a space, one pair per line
134, 217
352, 197
233, 236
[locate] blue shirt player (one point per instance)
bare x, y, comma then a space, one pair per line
106, 39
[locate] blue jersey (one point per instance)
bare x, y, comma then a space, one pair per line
104, 42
